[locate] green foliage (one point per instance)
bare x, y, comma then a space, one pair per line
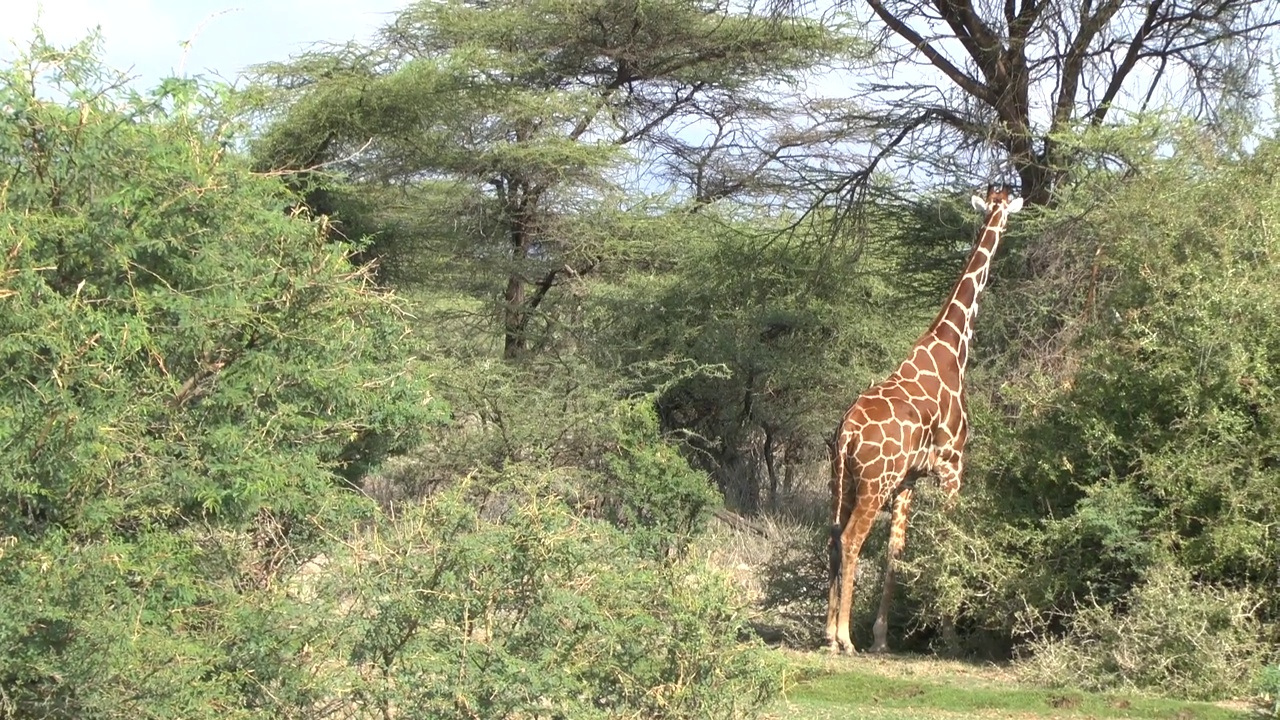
487, 90
193, 376
1185, 639
528, 111
196, 368
649, 488
1269, 684
1126, 433
972, 565
795, 319
614, 461
190, 347
164, 625
1171, 410
495, 599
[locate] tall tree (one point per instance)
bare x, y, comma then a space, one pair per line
1014, 74
528, 107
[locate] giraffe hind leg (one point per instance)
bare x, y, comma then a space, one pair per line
852, 537
840, 510
834, 554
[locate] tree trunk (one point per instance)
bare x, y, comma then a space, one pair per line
1036, 181
514, 341
521, 208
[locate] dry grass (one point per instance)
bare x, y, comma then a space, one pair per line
779, 562
912, 667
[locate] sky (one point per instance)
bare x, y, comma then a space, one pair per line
144, 37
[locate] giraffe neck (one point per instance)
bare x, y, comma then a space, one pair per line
954, 324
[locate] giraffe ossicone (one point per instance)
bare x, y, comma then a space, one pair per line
980, 204
910, 424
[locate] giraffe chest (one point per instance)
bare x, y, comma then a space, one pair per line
942, 430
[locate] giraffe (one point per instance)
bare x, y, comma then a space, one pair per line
910, 424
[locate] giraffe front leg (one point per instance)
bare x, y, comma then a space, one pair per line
897, 541
841, 508
949, 470
949, 475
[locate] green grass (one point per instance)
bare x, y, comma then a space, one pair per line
902, 688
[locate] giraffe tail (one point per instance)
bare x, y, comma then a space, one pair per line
837, 491
833, 550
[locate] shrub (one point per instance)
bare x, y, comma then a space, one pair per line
495, 599
176, 345
649, 488
192, 376
1269, 684
617, 464
1124, 405
1169, 635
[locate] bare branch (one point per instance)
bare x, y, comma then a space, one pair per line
1139, 41
955, 74
1016, 72
1073, 63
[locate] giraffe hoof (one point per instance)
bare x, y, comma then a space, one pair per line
843, 647
879, 648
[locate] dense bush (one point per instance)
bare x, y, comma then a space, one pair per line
649, 488
1168, 633
614, 462
192, 377
796, 319
495, 599
177, 346
196, 374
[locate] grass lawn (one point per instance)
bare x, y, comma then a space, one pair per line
899, 687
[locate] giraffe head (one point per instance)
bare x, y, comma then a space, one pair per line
998, 197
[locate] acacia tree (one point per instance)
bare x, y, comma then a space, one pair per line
1014, 74
525, 107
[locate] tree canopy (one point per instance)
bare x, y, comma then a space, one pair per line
1010, 78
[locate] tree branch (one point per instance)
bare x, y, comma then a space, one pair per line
1073, 63
979, 40
1139, 41
671, 110
955, 74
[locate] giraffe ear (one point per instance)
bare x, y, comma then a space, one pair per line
978, 203
1015, 205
